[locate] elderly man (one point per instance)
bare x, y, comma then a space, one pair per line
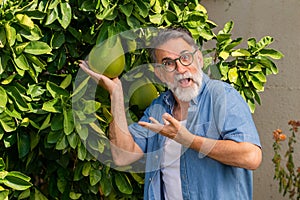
198, 138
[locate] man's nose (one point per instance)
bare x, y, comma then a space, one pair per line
180, 67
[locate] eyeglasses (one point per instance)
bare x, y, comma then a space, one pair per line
185, 59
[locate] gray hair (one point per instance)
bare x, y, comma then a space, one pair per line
167, 34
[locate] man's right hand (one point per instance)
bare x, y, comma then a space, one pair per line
109, 84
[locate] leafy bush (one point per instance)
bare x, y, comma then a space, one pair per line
40, 45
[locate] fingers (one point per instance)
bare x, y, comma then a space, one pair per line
84, 66
153, 126
168, 119
153, 120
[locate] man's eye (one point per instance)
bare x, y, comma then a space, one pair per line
185, 57
168, 63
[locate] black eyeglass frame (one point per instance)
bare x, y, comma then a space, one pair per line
179, 58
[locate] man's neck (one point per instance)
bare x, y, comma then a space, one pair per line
181, 110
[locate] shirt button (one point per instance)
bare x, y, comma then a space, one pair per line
150, 179
156, 156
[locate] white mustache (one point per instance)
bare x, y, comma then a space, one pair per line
183, 76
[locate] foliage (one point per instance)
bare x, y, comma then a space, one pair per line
12, 181
40, 44
287, 174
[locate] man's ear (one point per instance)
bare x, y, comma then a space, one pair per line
200, 58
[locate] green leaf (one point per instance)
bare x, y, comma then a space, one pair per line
170, 17
137, 178
73, 139
86, 168
57, 40
57, 122
105, 184
15, 94
3, 99
11, 34
74, 195
23, 144
233, 75
91, 106
156, 19
82, 131
221, 38
251, 105
21, 62
56, 90
81, 151
38, 195
227, 28
24, 195
142, 8
65, 15
53, 4
123, 183
257, 84
272, 53
240, 52
37, 48
32, 35
54, 136
51, 17
19, 175
66, 82
224, 55
233, 44
132, 21
2, 37
106, 13
68, 121
269, 64
126, 9
10, 140
265, 41
35, 60
260, 76
7, 122
16, 183
95, 176
80, 90
46, 123
62, 143
52, 106
251, 43
248, 92
25, 21
34, 140
35, 91
2, 165
4, 194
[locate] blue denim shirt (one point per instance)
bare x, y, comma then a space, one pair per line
218, 112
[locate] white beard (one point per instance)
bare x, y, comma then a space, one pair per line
187, 94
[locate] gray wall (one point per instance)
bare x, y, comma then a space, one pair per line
281, 98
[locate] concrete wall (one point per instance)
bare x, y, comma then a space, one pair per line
281, 98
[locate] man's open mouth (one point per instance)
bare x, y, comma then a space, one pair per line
185, 82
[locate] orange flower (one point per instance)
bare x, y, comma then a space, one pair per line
278, 135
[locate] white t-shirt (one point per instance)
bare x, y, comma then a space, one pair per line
171, 169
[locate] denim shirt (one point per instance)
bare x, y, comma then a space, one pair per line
218, 112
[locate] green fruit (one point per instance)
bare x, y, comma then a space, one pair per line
108, 58
142, 93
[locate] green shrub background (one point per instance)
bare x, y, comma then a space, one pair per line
43, 155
